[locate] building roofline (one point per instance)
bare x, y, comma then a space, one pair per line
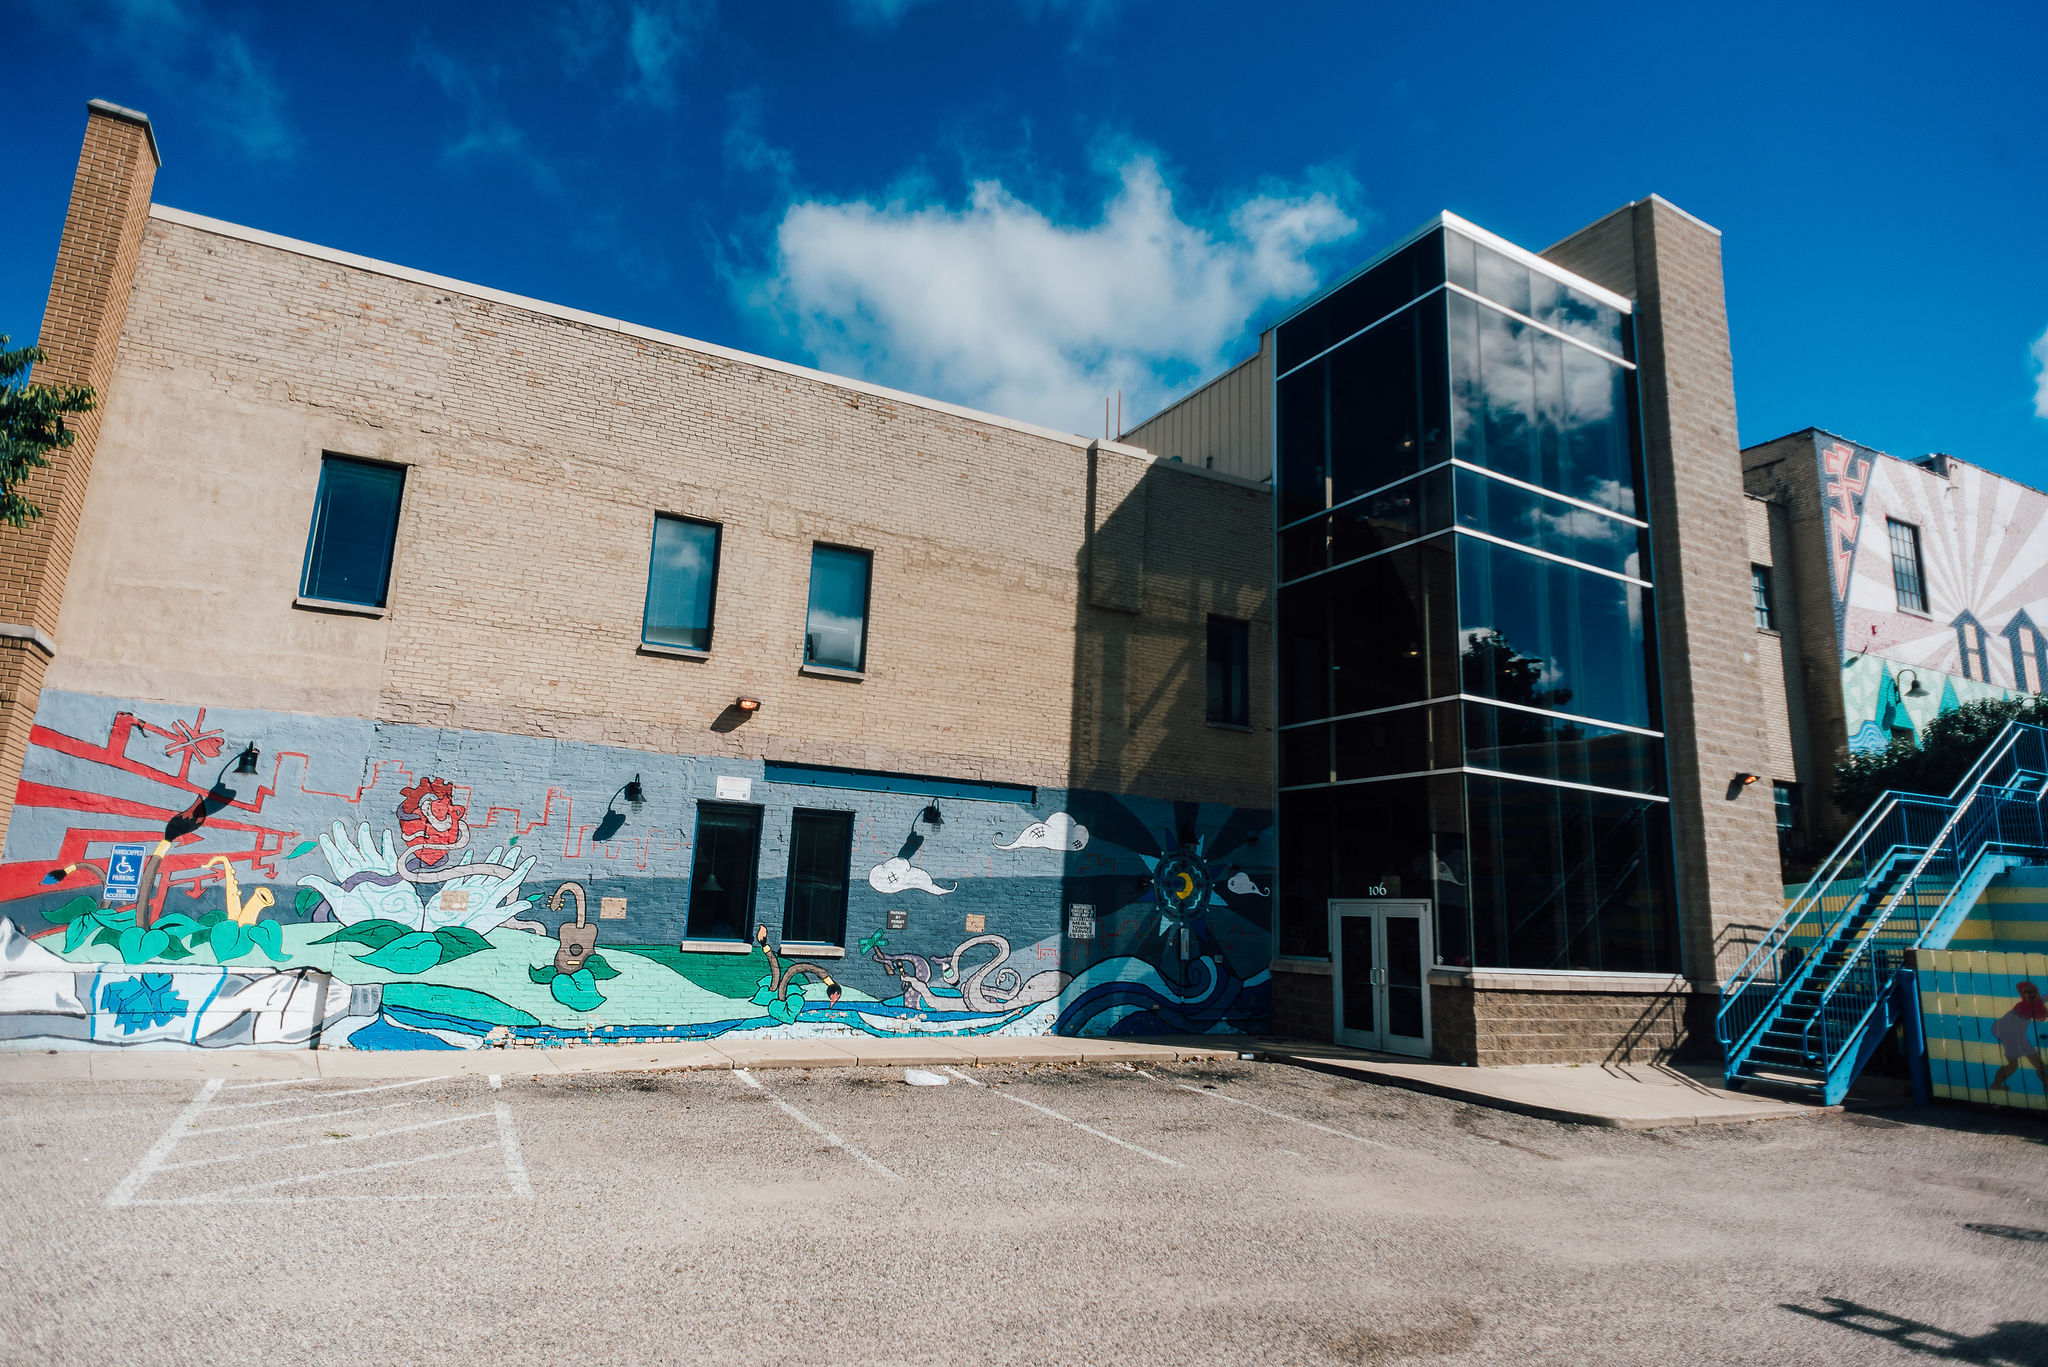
1903, 460
596, 320
1198, 390
127, 115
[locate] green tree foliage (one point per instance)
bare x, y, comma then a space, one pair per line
31, 426
1933, 765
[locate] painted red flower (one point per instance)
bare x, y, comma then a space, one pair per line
430, 820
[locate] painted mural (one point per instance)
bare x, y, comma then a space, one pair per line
1986, 1026
1983, 549
178, 877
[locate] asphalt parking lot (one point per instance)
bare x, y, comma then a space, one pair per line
1198, 1213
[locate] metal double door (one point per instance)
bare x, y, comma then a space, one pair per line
1380, 957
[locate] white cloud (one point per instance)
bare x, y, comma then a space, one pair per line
2041, 376
182, 52
996, 305
659, 37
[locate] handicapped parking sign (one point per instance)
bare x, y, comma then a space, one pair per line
124, 873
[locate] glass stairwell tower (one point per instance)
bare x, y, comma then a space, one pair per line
1468, 682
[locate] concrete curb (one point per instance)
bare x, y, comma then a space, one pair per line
128, 1065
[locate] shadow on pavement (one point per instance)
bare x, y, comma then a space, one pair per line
2013, 1343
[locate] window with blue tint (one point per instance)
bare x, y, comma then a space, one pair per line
1536, 746
1230, 672
1540, 410
1383, 631
1531, 519
1566, 879
1387, 402
682, 582
722, 872
1542, 634
355, 526
1361, 301
1536, 294
836, 629
820, 857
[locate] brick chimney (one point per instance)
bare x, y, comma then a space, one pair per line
89, 289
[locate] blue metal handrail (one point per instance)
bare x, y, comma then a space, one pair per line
1996, 809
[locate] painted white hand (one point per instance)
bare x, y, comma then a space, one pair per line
382, 895
489, 899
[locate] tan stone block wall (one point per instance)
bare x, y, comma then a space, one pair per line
1492, 1028
539, 449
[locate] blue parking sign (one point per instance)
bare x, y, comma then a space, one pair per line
124, 872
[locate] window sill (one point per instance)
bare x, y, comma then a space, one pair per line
811, 951
1915, 612
1229, 726
1319, 967
1770, 631
336, 606
676, 652
716, 947
827, 672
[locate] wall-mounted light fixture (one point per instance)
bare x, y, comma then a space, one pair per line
633, 792
748, 704
246, 762
1916, 691
931, 815
613, 818
1746, 779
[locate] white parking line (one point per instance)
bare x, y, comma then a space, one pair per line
323, 1142
744, 1076
515, 1162
124, 1194
1047, 1110
228, 1194
297, 1119
1277, 1115
352, 1091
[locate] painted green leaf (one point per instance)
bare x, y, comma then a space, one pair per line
764, 992
457, 941
374, 933
577, 991
175, 950
786, 1011
307, 901
176, 923
456, 1003
270, 935
116, 919
107, 936
212, 919
75, 933
600, 967
513, 841
415, 952
139, 946
543, 973
78, 906
229, 941
304, 847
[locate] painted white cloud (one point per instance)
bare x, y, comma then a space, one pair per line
1242, 882
1057, 832
2041, 376
900, 875
996, 304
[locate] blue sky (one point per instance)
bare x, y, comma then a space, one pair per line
1025, 204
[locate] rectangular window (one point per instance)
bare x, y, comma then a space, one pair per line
820, 854
682, 582
1908, 574
1786, 795
1760, 593
722, 872
836, 631
355, 525
1230, 668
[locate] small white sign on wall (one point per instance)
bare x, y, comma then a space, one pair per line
735, 789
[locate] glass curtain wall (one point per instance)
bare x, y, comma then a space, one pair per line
1469, 709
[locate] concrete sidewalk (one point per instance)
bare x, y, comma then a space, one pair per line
1625, 1096
117, 1064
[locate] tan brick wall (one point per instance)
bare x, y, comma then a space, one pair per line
539, 449
1772, 693
82, 323
1503, 1029
1726, 841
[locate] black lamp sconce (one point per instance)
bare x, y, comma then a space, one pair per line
1738, 783
747, 704
614, 819
1916, 691
633, 792
931, 816
245, 763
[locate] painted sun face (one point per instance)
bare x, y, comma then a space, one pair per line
1181, 883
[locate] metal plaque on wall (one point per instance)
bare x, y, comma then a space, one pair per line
1080, 921
899, 918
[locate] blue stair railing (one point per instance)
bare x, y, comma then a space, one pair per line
1813, 999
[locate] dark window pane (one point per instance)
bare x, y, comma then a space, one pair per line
1304, 429
1531, 519
355, 524
1305, 755
1303, 634
1547, 635
1409, 741
1361, 301
682, 575
1304, 872
1355, 948
1565, 879
1376, 408
836, 631
1305, 548
1907, 577
1405, 836
722, 872
1230, 648
1760, 595
1392, 626
1406, 977
820, 855
1386, 519
1519, 742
